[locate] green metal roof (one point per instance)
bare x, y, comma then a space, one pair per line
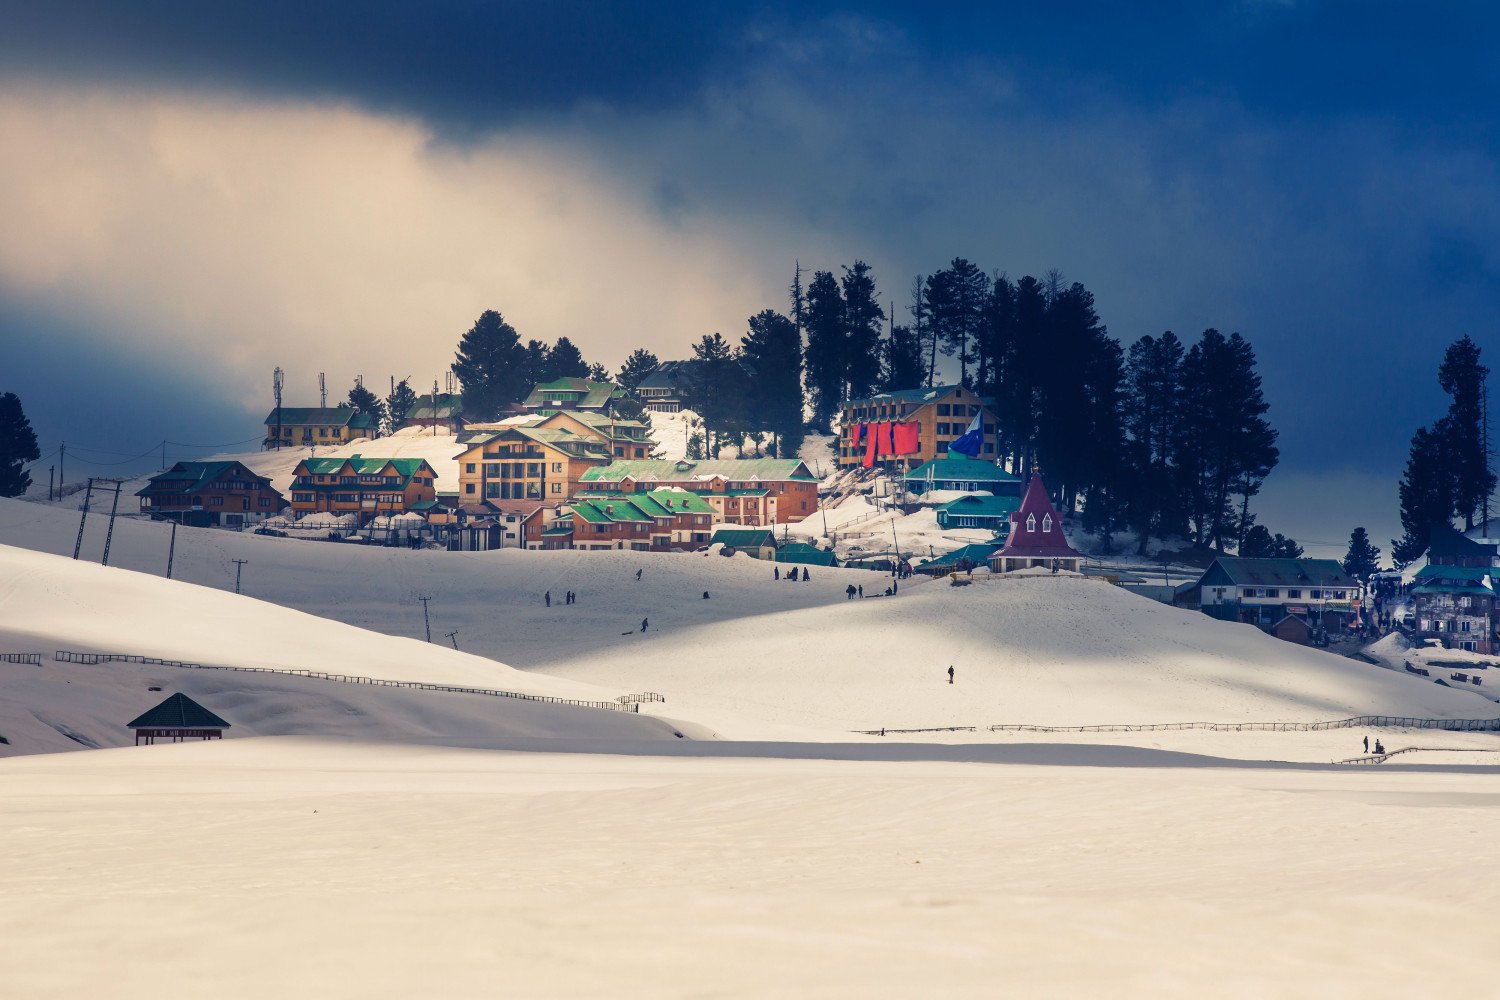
1469, 574
449, 405
955, 468
744, 538
178, 712
979, 555
600, 510
684, 470
333, 416
805, 554
982, 506
583, 393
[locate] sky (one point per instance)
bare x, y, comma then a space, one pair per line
193, 194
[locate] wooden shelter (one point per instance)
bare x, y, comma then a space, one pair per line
177, 719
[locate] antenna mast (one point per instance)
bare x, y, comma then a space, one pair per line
322, 390
277, 377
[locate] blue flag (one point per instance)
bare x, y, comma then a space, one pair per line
973, 438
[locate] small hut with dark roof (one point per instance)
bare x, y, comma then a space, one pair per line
177, 719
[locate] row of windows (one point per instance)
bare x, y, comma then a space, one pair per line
1296, 594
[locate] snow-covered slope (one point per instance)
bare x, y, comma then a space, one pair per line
49, 603
761, 653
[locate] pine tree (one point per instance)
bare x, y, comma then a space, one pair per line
716, 391
536, 365
997, 338
1463, 378
825, 358
490, 365
366, 402
1426, 491
797, 297
565, 360
17, 447
399, 403
901, 361
1153, 401
921, 328
597, 373
1229, 446
956, 302
862, 321
771, 356
636, 367
1259, 543
1363, 559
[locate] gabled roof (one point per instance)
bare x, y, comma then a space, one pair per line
1435, 578
361, 466
178, 712
667, 375
1448, 543
744, 538
957, 468
1238, 572
583, 393
929, 395
194, 476
1034, 542
683, 470
449, 405
333, 416
603, 510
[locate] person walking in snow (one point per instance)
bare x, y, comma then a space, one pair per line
861, 592
895, 587
950, 674
1367, 744
548, 598
638, 574
705, 595
849, 592
804, 574
776, 572
645, 622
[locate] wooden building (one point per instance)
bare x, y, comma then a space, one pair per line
981, 511
1453, 596
362, 486
177, 719
956, 473
1263, 591
316, 426
662, 389
519, 468
665, 520
758, 543
905, 428
751, 492
225, 494
626, 439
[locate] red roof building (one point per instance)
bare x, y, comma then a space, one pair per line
1036, 536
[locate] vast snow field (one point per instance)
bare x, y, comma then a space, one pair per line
302, 867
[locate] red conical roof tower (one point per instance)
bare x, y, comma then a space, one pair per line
1036, 530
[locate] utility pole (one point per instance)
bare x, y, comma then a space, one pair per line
109, 535
62, 453
426, 621
453, 637
895, 549
78, 542
239, 564
51, 469
276, 379
163, 453
171, 549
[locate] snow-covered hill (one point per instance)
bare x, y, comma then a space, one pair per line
49, 603
761, 654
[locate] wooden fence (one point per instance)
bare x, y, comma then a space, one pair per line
35, 658
1356, 722
67, 656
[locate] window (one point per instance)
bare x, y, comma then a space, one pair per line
1294, 594
469, 488
1047, 522
1338, 595
944, 409
1316, 595
1273, 592
557, 487
265, 501
1030, 522
556, 466
216, 501
1463, 626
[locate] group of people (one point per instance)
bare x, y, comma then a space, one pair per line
568, 598
1379, 748
791, 574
